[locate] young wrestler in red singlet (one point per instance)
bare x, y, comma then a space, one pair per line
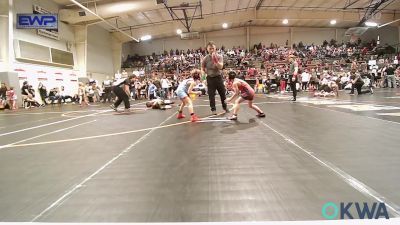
244, 92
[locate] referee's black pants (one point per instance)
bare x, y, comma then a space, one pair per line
293, 87
213, 84
122, 96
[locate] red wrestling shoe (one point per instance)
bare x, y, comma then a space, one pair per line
195, 118
180, 116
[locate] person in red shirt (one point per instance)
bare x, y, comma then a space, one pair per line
243, 92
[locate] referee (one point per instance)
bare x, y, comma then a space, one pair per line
212, 65
121, 89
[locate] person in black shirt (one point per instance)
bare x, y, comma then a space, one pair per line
391, 79
43, 93
122, 90
26, 96
3, 91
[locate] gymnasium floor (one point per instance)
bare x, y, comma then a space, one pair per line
71, 164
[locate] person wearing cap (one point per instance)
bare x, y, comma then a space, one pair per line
243, 92
293, 72
212, 65
121, 89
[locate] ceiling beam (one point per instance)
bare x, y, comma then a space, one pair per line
143, 13
350, 4
105, 21
259, 4
248, 5
372, 10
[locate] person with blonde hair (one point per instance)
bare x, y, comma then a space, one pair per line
184, 90
82, 95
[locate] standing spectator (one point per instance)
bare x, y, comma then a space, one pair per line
293, 72
282, 83
158, 85
107, 91
165, 85
313, 80
42, 92
391, 79
212, 65
137, 90
96, 92
3, 92
82, 95
12, 98
305, 78
152, 91
3, 96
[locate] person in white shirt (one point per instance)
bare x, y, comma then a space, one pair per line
165, 84
305, 78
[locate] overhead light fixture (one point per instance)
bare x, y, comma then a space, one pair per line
179, 31
371, 24
122, 7
224, 25
333, 22
145, 37
285, 21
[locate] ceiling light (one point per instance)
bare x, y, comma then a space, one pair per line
224, 25
371, 24
179, 31
145, 37
122, 7
285, 21
333, 22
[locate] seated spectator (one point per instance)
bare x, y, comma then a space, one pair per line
64, 96
54, 95
32, 102
26, 95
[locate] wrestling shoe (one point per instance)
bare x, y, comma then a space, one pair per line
261, 115
233, 117
180, 116
194, 118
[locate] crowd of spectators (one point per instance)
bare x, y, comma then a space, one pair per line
326, 68
323, 69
